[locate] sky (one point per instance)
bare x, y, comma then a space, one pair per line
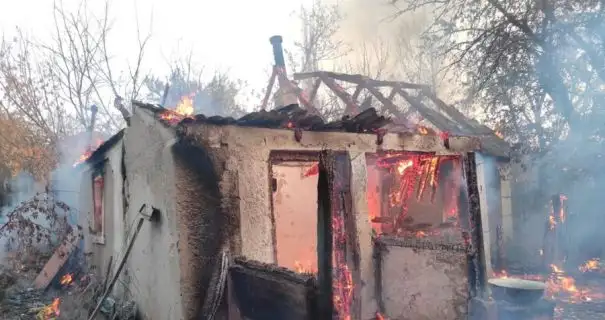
228, 35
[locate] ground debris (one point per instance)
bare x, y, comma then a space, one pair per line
583, 311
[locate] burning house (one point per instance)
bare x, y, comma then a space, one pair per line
364, 217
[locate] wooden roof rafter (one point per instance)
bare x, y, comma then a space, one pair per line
449, 119
444, 117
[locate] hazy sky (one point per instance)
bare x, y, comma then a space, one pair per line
232, 35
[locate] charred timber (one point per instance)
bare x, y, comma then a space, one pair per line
325, 187
377, 253
474, 232
267, 291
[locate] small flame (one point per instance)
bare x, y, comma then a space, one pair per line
300, 268
423, 130
66, 279
89, 151
420, 234
184, 109
403, 165
590, 265
50, 311
501, 274
556, 269
552, 222
499, 134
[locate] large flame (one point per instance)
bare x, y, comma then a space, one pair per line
184, 109
416, 175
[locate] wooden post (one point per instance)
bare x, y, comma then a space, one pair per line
474, 231
324, 234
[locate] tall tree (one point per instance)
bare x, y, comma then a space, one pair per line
535, 68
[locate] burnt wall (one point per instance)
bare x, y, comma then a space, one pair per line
244, 182
420, 280
201, 222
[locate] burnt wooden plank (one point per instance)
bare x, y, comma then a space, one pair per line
269, 292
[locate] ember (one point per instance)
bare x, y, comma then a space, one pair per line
184, 109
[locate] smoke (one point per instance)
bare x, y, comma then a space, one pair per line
21, 188
37, 201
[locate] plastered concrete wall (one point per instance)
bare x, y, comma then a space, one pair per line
246, 153
153, 267
422, 284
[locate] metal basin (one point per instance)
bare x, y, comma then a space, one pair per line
517, 291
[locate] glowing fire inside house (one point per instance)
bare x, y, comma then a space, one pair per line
409, 195
413, 195
184, 109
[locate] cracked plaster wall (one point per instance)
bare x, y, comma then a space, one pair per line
424, 284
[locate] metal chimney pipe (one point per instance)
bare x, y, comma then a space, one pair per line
278, 51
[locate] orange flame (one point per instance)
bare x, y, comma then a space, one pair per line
89, 151
560, 285
499, 134
300, 268
423, 130
66, 279
50, 311
184, 109
590, 265
403, 165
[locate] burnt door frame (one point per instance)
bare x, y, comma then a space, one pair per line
473, 230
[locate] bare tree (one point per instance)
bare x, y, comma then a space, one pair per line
53, 85
82, 64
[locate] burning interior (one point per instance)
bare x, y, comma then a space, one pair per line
294, 204
414, 195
